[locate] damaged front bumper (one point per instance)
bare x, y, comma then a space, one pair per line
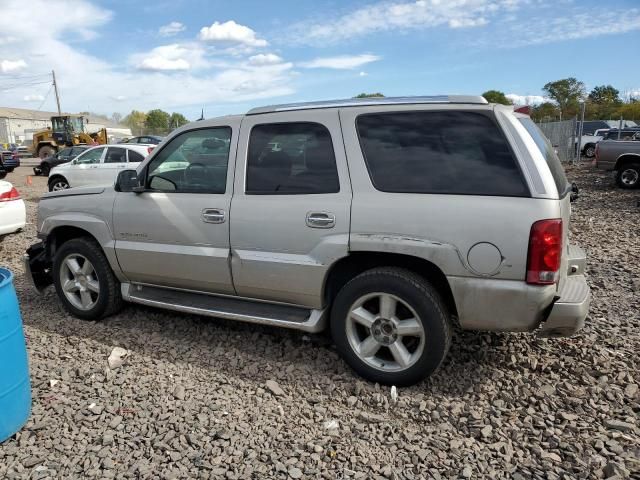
37, 266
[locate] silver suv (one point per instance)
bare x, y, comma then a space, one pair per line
385, 220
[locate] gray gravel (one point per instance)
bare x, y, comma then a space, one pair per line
203, 398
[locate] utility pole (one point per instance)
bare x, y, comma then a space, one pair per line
55, 89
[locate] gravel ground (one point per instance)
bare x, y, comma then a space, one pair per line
203, 398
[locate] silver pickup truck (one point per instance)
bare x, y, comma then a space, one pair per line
623, 157
386, 220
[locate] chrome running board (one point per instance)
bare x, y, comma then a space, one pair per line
232, 308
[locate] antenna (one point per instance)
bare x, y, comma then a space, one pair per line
201, 115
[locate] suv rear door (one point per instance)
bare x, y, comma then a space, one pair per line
290, 211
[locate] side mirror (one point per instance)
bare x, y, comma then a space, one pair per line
128, 181
575, 192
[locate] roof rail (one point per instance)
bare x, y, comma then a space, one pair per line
357, 102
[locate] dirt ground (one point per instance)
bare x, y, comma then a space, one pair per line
192, 400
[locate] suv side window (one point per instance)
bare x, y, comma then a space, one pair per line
193, 162
291, 158
442, 152
90, 156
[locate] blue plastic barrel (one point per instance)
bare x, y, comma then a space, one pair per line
15, 388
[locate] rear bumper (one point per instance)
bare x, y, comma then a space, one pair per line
568, 314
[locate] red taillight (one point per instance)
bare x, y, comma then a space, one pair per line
149, 150
10, 195
545, 252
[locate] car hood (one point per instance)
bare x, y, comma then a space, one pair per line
70, 192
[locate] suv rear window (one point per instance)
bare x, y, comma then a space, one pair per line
442, 152
549, 154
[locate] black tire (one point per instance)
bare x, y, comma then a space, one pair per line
412, 290
46, 151
590, 150
10, 170
109, 298
628, 176
3, 174
58, 183
45, 169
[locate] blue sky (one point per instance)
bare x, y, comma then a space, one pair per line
225, 57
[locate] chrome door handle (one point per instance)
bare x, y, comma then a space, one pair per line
321, 220
213, 215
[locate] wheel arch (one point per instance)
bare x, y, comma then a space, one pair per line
626, 159
358, 262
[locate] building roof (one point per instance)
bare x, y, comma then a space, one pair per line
26, 114
358, 102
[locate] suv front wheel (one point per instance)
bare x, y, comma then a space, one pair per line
391, 326
84, 280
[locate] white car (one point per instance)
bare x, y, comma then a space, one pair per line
97, 166
13, 214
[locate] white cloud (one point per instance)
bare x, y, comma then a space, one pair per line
265, 59
231, 33
160, 63
526, 99
397, 16
214, 77
172, 57
342, 62
33, 98
363, 74
573, 25
171, 29
8, 66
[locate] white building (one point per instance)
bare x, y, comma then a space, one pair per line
17, 125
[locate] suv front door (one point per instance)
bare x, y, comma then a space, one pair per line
291, 206
176, 233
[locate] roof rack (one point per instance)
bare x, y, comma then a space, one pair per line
358, 102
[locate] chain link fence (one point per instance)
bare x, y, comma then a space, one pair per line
562, 136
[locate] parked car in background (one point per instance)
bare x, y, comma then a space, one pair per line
626, 134
588, 145
3, 171
63, 156
13, 213
621, 157
385, 220
97, 166
10, 159
146, 139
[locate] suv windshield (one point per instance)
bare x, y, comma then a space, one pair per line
549, 154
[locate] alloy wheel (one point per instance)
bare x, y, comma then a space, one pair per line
385, 332
79, 281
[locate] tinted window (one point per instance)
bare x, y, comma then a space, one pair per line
193, 162
115, 155
134, 156
438, 152
91, 156
549, 154
77, 150
291, 158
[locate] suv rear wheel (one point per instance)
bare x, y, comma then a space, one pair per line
84, 280
628, 176
391, 326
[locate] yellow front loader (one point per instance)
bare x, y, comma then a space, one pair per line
67, 130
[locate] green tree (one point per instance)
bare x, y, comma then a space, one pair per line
602, 102
157, 121
369, 95
496, 96
135, 121
177, 120
568, 93
545, 112
629, 111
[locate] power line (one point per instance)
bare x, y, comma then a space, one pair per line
45, 97
21, 85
